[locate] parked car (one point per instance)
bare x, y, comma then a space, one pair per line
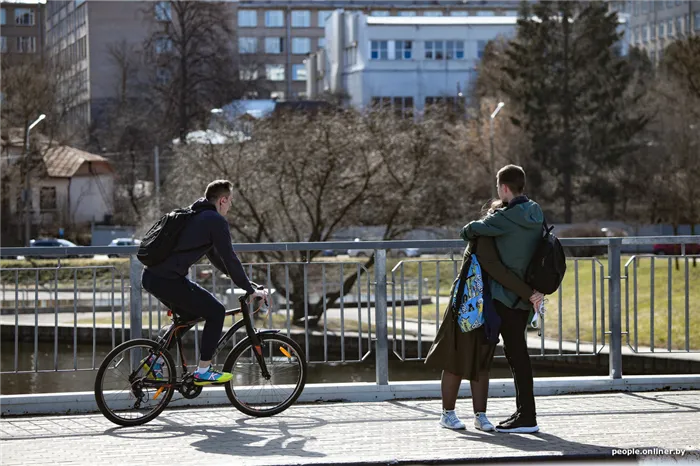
675, 249
402, 253
52, 243
123, 242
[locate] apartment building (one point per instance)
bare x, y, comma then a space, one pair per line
655, 24
21, 30
273, 37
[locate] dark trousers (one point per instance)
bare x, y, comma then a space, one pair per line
189, 300
513, 324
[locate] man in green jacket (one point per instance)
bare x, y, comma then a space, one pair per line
517, 229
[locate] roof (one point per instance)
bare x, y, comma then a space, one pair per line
65, 161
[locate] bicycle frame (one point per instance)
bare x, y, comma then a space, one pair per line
175, 331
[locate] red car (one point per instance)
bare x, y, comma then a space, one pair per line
675, 249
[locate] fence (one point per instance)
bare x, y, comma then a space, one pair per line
394, 305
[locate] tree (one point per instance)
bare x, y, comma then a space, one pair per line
195, 67
570, 85
304, 176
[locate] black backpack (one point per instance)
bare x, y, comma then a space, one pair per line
159, 242
548, 265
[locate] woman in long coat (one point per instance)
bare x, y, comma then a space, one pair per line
469, 355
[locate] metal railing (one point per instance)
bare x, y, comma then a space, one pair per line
64, 304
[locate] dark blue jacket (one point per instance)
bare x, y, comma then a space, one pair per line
206, 233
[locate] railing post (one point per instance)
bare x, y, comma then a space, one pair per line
136, 309
380, 310
615, 307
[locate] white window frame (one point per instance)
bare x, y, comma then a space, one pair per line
295, 72
433, 48
32, 44
433, 13
274, 14
408, 13
21, 12
301, 45
322, 17
453, 48
401, 49
376, 45
247, 45
459, 13
247, 18
274, 45
301, 18
273, 71
247, 74
380, 13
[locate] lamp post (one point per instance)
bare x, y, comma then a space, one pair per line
27, 198
493, 166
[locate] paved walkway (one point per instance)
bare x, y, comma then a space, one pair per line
399, 432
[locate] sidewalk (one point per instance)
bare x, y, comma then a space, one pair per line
397, 432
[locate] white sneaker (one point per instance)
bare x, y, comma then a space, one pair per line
481, 422
449, 420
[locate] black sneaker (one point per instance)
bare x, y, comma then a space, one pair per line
510, 418
521, 424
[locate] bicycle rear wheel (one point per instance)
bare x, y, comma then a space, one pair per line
253, 394
126, 392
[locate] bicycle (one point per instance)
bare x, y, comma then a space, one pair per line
254, 355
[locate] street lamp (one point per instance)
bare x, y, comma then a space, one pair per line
27, 196
493, 167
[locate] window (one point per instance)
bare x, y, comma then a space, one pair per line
434, 50
697, 20
407, 13
380, 13
81, 15
662, 30
459, 13
274, 18
404, 49
47, 198
402, 106
636, 8
77, 3
480, 47
652, 30
455, 50
301, 19
669, 3
432, 13
679, 26
511, 13
82, 48
3, 16
669, 28
163, 76
321, 42
274, 45
247, 44
646, 33
164, 45
645, 7
274, 72
323, 16
247, 18
248, 74
485, 13
3, 44
24, 16
26, 44
299, 72
379, 50
163, 12
301, 45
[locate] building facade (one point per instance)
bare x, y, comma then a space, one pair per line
21, 30
653, 25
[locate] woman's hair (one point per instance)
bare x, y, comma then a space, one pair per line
490, 207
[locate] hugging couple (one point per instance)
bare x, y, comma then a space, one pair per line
504, 242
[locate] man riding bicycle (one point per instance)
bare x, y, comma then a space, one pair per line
208, 233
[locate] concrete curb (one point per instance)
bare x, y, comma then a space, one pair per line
84, 402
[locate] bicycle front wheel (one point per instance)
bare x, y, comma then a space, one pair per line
254, 394
129, 392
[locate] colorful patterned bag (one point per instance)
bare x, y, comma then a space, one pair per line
468, 296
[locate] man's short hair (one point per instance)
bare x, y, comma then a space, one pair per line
512, 176
218, 189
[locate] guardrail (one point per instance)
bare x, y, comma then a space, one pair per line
65, 304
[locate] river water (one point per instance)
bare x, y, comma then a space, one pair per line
83, 380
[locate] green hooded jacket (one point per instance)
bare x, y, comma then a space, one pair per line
517, 230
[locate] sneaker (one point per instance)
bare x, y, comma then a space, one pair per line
521, 424
157, 372
211, 376
481, 422
449, 420
510, 418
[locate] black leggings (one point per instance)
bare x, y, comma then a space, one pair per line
189, 300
